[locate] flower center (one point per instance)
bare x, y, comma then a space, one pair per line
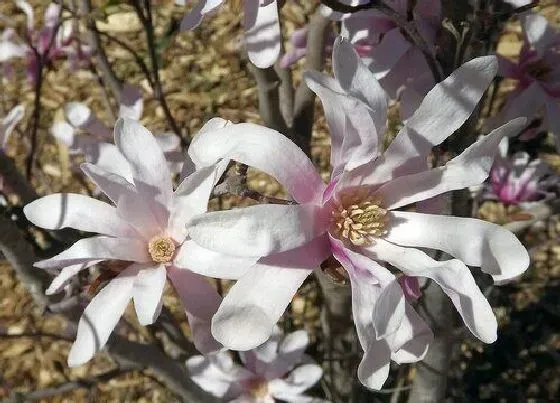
258, 388
161, 249
359, 217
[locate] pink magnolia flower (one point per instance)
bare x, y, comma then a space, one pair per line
355, 216
262, 29
84, 133
516, 179
64, 44
277, 369
538, 74
145, 232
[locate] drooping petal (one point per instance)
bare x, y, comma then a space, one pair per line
255, 145
254, 304
201, 301
152, 178
493, 248
70, 210
262, 32
191, 198
297, 381
194, 17
289, 354
452, 276
468, 169
147, 292
412, 340
212, 264
99, 248
101, 316
9, 122
66, 274
259, 230
389, 310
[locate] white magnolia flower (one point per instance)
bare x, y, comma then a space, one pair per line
144, 231
262, 28
355, 217
277, 369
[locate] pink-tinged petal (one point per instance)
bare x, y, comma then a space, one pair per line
201, 301
131, 103
495, 249
65, 275
390, 50
468, 169
139, 213
298, 381
530, 102
254, 145
412, 338
452, 276
152, 178
259, 230
63, 132
69, 210
389, 310
9, 122
410, 287
292, 57
101, 316
217, 374
81, 116
99, 248
112, 184
191, 198
539, 34
108, 157
255, 303
195, 16
262, 32
444, 109
148, 291
353, 132
52, 15
212, 264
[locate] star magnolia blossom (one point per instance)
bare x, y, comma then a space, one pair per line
355, 216
84, 133
271, 371
262, 28
538, 74
65, 43
145, 233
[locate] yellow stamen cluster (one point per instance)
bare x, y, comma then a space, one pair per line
359, 217
258, 389
161, 249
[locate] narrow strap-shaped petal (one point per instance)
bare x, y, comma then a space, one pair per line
259, 230
147, 293
255, 303
107, 157
194, 17
539, 34
262, 32
131, 103
9, 122
412, 340
468, 169
387, 54
298, 381
152, 178
112, 184
452, 276
81, 116
101, 316
264, 149
70, 210
99, 248
200, 301
66, 274
493, 248
289, 354
212, 264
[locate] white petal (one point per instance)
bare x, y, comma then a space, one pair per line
212, 264
468, 169
108, 157
131, 104
63, 132
297, 382
66, 274
389, 310
411, 341
264, 149
539, 33
80, 115
254, 304
147, 293
477, 243
201, 301
259, 230
388, 52
70, 210
9, 122
262, 32
168, 142
112, 184
452, 276
101, 316
195, 16
152, 178
99, 248
289, 354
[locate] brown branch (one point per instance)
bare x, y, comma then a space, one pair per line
14, 180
